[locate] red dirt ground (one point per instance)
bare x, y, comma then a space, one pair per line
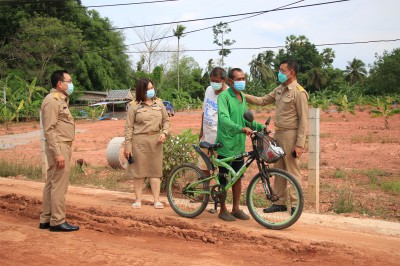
113, 233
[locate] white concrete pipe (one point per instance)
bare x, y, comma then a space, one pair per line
115, 153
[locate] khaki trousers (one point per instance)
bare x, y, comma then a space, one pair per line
286, 139
55, 189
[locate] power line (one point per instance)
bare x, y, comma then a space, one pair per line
225, 16
206, 28
271, 47
128, 4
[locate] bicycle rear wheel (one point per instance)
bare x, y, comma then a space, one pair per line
186, 198
292, 199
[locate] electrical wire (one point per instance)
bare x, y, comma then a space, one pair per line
269, 47
210, 27
225, 16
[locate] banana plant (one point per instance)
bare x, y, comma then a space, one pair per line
384, 108
343, 104
9, 114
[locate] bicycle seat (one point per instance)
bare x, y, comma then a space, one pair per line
207, 145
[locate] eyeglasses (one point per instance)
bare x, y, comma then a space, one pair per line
68, 81
284, 70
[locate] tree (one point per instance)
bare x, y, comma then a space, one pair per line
384, 74
300, 49
355, 71
317, 78
34, 52
219, 30
151, 40
99, 64
328, 56
179, 33
261, 68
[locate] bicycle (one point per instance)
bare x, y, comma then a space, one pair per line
189, 190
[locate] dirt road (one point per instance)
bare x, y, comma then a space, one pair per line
112, 233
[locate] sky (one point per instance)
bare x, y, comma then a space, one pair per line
351, 21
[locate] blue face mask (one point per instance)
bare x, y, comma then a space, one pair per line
150, 93
215, 85
282, 77
239, 85
70, 89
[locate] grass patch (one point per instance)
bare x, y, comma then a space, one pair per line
372, 138
100, 177
344, 202
339, 173
325, 135
391, 186
8, 168
374, 174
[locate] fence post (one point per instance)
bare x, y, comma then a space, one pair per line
313, 158
43, 149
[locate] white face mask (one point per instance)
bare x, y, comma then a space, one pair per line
216, 86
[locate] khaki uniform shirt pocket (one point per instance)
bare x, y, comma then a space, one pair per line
142, 115
65, 113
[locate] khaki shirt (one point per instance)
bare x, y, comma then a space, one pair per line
58, 123
145, 119
291, 108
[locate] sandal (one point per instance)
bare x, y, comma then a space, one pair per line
137, 205
240, 215
158, 205
226, 216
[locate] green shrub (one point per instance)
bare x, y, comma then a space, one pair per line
178, 149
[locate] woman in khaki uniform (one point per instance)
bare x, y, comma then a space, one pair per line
146, 130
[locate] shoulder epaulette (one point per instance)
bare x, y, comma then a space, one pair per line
133, 103
300, 88
56, 95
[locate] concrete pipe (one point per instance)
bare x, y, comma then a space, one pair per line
115, 153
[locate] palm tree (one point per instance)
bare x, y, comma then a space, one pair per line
178, 32
317, 77
328, 54
261, 67
355, 71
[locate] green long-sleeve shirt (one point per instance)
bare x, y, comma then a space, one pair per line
231, 122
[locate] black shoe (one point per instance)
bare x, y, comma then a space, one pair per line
292, 210
64, 227
44, 225
275, 208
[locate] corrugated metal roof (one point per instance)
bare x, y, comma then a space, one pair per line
119, 95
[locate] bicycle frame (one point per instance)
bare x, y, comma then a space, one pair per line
232, 175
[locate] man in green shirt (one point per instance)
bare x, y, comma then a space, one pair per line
232, 128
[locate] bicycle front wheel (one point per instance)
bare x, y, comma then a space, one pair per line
278, 188
186, 192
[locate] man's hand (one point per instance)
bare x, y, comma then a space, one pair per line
60, 161
247, 131
299, 151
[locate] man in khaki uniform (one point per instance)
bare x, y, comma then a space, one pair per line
290, 126
59, 131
